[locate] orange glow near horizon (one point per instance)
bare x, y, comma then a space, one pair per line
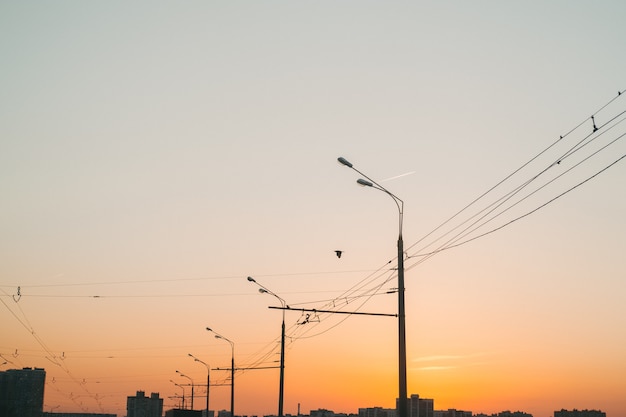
154, 155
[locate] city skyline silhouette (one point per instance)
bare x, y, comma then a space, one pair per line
154, 156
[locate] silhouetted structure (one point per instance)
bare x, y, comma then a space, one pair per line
142, 406
321, 412
21, 392
505, 414
377, 412
514, 414
45, 414
177, 412
579, 413
426, 406
418, 407
452, 413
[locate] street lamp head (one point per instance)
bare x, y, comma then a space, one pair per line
364, 183
344, 161
209, 329
251, 279
217, 336
262, 290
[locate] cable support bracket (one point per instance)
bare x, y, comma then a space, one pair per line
334, 311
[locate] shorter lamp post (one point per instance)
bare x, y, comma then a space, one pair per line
232, 369
281, 388
185, 376
208, 380
183, 388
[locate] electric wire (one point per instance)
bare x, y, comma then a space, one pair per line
423, 252
525, 214
474, 227
371, 285
50, 355
509, 176
491, 208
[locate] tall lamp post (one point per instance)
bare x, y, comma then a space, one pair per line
402, 390
183, 388
208, 380
281, 389
185, 376
232, 370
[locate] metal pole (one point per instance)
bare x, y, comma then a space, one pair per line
232, 370
402, 406
282, 368
402, 379
192, 385
232, 380
281, 387
208, 380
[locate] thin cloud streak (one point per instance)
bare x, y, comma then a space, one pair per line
438, 358
447, 362
398, 176
447, 357
436, 368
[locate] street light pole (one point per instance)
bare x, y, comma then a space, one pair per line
232, 370
402, 381
208, 381
185, 376
281, 387
183, 388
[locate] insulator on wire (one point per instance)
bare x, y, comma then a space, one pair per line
594, 124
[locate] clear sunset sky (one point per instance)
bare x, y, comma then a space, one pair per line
155, 154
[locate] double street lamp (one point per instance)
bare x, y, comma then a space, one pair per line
208, 379
402, 390
232, 370
281, 389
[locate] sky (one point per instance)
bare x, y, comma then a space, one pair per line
155, 154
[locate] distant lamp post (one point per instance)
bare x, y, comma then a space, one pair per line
281, 388
208, 380
185, 376
402, 389
183, 388
232, 370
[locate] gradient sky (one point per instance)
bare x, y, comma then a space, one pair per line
155, 154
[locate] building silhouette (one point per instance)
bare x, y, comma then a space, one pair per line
177, 412
505, 414
579, 413
142, 406
451, 412
322, 412
21, 392
419, 407
426, 406
377, 412
50, 414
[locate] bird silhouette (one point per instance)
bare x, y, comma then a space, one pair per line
338, 253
